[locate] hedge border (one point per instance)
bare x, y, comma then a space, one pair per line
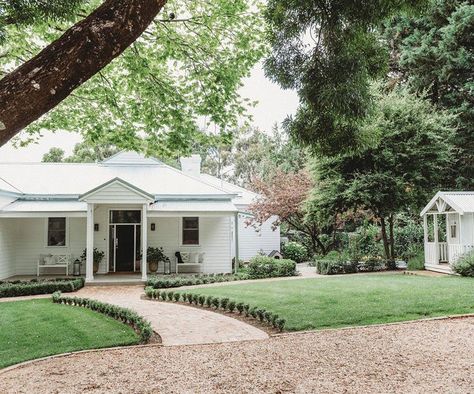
223, 303
33, 287
199, 279
124, 315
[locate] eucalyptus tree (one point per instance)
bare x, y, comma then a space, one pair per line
172, 74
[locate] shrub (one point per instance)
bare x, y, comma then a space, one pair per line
224, 302
465, 265
201, 300
280, 324
215, 302
138, 323
170, 295
295, 251
240, 307
177, 297
231, 306
416, 262
267, 267
247, 310
372, 264
36, 286
209, 301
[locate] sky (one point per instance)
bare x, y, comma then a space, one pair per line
274, 105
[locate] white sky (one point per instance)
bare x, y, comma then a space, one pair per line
274, 104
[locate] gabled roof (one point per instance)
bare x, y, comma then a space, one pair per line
130, 159
460, 202
117, 182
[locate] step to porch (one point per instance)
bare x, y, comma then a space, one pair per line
116, 280
443, 268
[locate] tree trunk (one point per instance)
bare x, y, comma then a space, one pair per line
391, 237
385, 238
43, 82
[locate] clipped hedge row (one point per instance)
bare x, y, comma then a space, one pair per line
267, 267
224, 304
34, 287
201, 279
126, 316
333, 267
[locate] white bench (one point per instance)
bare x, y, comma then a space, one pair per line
53, 261
191, 260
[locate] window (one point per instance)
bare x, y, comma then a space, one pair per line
453, 231
56, 231
190, 231
125, 216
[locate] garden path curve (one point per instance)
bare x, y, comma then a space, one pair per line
177, 324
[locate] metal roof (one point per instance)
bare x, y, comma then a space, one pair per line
244, 196
460, 202
45, 206
193, 206
78, 178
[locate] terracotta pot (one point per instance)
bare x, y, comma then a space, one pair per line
153, 266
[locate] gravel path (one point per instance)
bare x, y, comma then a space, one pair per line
421, 357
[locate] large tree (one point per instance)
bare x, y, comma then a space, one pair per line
329, 51
183, 71
398, 172
434, 54
83, 152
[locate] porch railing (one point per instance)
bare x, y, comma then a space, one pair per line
443, 252
430, 253
457, 250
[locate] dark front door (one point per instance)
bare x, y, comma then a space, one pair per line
125, 248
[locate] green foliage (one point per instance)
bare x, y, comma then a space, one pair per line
156, 255
364, 242
295, 251
28, 12
465, 265
84, 152
399, 172
408, 238
434, 53
127, 316
416, 262
332, 68
159, 282
155, 96
97, 256
267, 267
44, 286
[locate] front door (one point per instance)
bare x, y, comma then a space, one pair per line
124, 248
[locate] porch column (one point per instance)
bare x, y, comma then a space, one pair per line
425, 227
144, 241
90, 243
435, 222
236, 230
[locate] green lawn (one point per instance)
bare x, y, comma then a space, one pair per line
354, 299
38, 328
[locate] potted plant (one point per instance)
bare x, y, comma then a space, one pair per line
97, 258
154, 256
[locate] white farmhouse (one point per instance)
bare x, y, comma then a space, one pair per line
51, 212
449, 229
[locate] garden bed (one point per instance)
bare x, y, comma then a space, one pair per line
19, 288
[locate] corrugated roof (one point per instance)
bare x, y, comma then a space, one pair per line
244, 196
193, 206
76, 179
461, 202
45, 206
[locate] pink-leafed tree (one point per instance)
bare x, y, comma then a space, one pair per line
284, 196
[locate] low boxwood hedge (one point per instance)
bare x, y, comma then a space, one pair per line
267, 267
333, 267
127, 316
199, 279
222, 303
39, 286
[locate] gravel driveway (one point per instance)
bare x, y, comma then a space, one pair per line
421, 357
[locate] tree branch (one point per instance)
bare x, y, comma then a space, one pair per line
43, 82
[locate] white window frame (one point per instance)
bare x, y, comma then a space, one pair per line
181, 232
46, 233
